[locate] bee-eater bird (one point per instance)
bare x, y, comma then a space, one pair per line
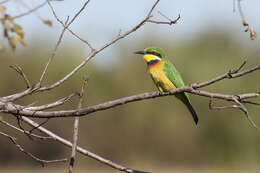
165, 75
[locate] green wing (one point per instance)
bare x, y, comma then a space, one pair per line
174, 76
172, 73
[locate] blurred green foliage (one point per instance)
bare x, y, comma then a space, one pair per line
156, 131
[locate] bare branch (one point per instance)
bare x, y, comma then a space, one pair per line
91, 55
63, 24
170, 22
252, 32
18, 146
20, 72
52, 105
79, 149
220, 107
30, 11
24, 131
76, 125
243, 108
53, 54
231, 74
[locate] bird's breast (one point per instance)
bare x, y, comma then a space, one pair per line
159, 77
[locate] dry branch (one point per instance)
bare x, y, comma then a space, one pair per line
252, 32
8, 106
76, 126
18, 146
30, 11
19, 70
79, 149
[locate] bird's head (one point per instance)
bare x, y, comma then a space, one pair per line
151, 55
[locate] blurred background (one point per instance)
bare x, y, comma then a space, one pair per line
156, 135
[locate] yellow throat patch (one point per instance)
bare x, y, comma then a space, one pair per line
149, 57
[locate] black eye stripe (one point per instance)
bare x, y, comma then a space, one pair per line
155, 53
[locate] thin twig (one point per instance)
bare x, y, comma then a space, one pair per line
243, 108
41, 161
79, 149
220, 107
30, 11
168, 23
76, 126
252, 32
67, 27
52, 105
19, 70
83, 63
24, 131
53, 54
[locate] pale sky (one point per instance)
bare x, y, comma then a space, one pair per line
102, 20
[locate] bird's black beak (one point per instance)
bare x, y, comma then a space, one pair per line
140, 52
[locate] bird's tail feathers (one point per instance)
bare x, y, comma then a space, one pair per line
186, 101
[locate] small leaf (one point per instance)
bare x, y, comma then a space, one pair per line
23, 42
20, 32
47, 22
12, 42
253, 34
2, 9
17, 27
8, 17
17, 38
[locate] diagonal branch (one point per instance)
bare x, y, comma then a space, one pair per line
82, 64
53, 54
24, 131
79, 149
52, 105
30, 11
19, 147
19, 70
243, 108
72, 32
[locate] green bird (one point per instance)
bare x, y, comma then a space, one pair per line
165, 75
